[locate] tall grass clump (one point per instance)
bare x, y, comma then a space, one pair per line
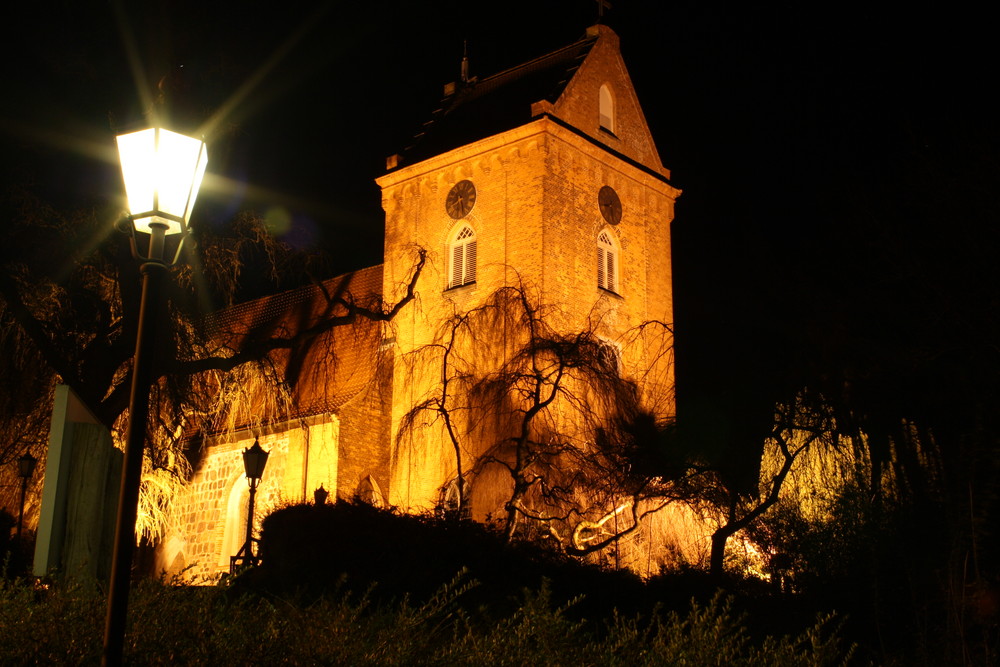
171, 624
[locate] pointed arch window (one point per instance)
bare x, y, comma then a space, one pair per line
462, 257
370, 492
454, 498
606, 104
234, 528
607, 261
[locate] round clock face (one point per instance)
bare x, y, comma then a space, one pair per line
461, 199
610, 204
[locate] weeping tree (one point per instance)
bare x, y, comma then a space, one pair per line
23, 427
799, 426
69, 301
549, 436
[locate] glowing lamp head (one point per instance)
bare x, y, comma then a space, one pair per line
162, 172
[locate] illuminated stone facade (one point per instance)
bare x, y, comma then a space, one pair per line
537, 224
537, 221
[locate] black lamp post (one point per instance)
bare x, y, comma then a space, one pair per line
25, 469
162, 171
254, 461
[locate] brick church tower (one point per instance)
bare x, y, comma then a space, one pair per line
541, 182
544, 177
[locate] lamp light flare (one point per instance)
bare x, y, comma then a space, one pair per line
162, 171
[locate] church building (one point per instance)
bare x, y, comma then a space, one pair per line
533, 199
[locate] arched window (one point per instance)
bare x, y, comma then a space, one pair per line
234, 532
370, 492
170, 558
462, 257
454, 498
607, 261
607, 109
611, 355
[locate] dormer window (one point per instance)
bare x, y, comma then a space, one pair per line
462, 257
607, 261
607, 109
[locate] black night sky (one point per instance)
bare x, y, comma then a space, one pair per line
832, 156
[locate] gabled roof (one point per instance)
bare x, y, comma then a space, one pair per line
324, 371
481, 108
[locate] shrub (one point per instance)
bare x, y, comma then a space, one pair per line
308, 550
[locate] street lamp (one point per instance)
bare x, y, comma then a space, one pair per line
162, 171
254, 460
320, 495
25, 469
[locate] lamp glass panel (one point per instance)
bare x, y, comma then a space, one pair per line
162, 171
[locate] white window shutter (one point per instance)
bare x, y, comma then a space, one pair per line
611, 270
600, 266
456, 265
463, 259
470, 263
607, 263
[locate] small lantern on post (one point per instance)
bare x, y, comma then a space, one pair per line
25, 469
254, 461
320, 495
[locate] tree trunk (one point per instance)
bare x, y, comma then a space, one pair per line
717, 559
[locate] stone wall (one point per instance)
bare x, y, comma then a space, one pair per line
208, 520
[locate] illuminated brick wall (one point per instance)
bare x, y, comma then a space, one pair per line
537, 219
202, 530
364, 445
208, 520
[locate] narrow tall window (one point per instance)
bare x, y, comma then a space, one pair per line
462, 258
607, 109
607, 262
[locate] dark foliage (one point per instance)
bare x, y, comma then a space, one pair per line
184, 625
15, 552
308, 550
313, 553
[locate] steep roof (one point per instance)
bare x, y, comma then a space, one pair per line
481, 108
327, 370
565, 86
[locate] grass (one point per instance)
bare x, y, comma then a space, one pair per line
181, 625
